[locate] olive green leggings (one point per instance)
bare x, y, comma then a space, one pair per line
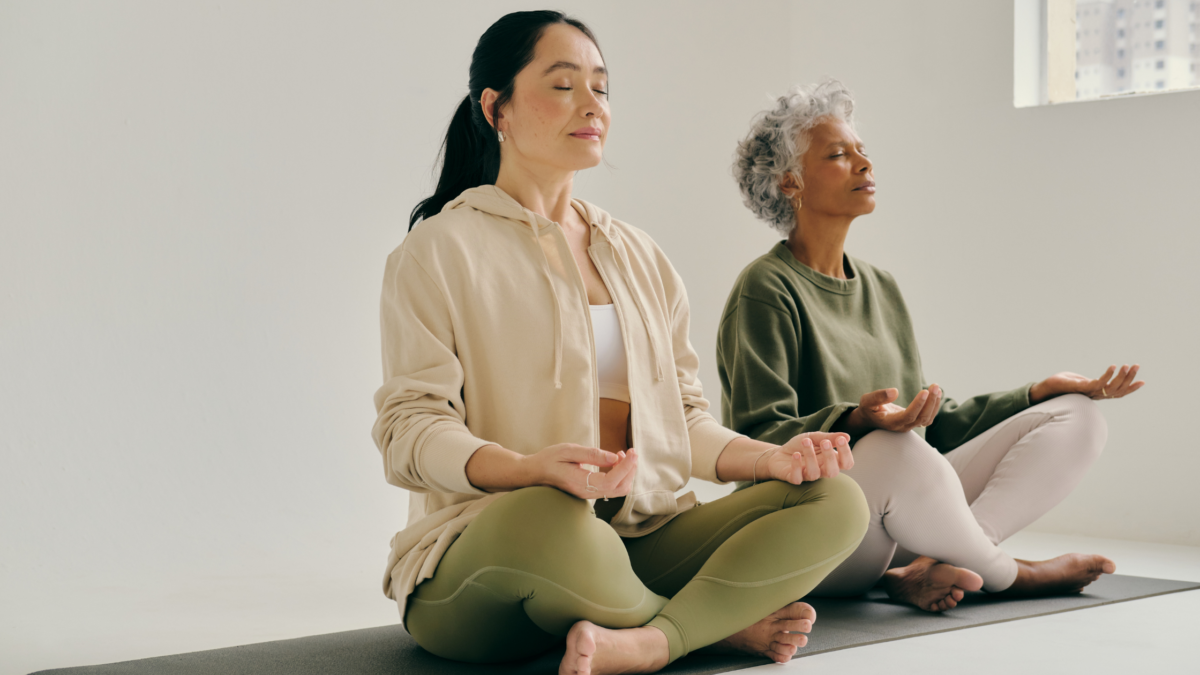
538, 560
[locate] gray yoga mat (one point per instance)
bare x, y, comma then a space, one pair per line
841, 624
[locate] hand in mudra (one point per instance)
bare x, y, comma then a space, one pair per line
569, 468
1112, 384
807, 457
877, 411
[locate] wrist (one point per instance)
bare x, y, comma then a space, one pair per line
529, 471
761, 470
1038, 393
853, 423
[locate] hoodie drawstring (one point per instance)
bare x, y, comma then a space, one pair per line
637, 300
558, 332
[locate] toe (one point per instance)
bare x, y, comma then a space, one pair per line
794, 639
798, 611
785, 651
794, 626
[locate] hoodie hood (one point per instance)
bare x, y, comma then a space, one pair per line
491, 199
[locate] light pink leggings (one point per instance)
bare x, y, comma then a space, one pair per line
958, 507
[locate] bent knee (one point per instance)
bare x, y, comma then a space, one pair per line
847, 504
545, 523
892, 452
541, 506
1084, 413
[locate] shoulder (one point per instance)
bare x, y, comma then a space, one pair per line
877, 279
767, 280
451, 238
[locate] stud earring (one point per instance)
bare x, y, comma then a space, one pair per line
500, 135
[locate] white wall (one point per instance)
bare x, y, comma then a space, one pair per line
1031, 241
196, 201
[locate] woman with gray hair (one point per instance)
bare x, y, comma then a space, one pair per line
814, 339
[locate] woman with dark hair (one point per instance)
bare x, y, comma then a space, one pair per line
530, 343
814, 339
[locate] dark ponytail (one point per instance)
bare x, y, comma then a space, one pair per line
470, 155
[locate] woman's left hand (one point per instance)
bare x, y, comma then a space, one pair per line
809, 457
1112, 384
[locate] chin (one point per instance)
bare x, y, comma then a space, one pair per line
579, 163
865, 208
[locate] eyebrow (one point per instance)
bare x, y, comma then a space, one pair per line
572, 66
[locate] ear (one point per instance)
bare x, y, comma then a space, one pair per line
790, 185
486, 101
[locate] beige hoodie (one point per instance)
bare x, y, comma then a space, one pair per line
487, 338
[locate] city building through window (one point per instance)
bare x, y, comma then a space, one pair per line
1075, 50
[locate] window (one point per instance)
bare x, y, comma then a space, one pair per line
1074, 50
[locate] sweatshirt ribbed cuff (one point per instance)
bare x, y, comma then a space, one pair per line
708, 438
442, 461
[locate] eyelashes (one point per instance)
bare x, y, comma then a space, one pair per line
598, 91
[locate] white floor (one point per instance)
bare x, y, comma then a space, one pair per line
58, 627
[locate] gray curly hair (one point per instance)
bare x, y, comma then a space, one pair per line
778, 138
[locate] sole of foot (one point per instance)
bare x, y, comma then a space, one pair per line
776, 637
930, 585
593, 650
1066, 574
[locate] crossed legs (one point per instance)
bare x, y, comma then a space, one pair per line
537, 566
955, 509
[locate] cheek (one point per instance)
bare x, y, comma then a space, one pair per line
817, 183
543, 116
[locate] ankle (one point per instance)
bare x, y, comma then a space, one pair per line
653, 643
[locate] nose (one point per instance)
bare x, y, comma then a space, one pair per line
592, 106
865, 165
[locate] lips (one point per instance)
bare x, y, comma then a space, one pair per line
869, 186
587, 133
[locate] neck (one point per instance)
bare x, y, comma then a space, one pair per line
819, 241
546, 193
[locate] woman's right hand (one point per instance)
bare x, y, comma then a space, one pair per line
565, 466
876, 411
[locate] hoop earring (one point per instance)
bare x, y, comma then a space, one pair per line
500, 135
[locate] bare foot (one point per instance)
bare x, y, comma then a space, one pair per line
1065, 574
592, 650
930, 585
776, 637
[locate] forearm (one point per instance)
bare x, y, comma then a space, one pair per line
736, 461
496, 469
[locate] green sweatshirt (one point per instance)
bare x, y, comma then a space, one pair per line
797, 350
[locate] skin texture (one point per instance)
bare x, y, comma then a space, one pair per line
555, 124
834, 186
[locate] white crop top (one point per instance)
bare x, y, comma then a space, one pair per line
611, 366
